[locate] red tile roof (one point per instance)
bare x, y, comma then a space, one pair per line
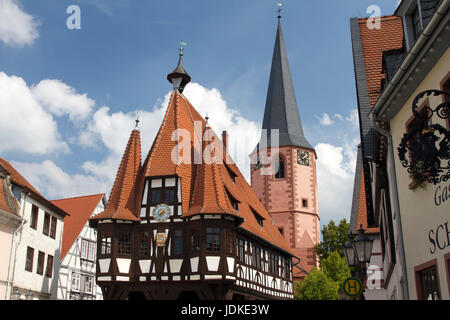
17, 178
122, 200
80, 210
204, 186
3, 203
374, 42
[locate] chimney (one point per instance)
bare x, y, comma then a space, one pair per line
225, 139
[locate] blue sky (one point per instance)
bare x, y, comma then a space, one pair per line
120, 58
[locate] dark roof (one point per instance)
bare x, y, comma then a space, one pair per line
281, 111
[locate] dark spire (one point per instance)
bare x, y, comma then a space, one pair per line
179, 77
281, 111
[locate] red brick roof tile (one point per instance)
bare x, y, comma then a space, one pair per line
80, 210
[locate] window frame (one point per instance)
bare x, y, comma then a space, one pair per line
124, 243
40, 263
49, 268
46, 225
213, 239
53, 226
29, 258
34, 217
418, 273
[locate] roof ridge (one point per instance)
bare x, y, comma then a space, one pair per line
77, 197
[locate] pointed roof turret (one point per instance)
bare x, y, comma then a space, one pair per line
281, 110
179, 77
121, 204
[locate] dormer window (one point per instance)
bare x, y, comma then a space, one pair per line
231, 174
233, 201
260, 219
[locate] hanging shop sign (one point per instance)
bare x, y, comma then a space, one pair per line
425, 149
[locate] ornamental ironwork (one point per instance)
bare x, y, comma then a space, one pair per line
425, 148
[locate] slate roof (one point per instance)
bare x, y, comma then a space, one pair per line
80, 210
281, 110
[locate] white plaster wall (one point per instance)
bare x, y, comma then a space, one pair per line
35, 239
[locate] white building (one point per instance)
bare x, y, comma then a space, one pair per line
35, 251
79, 249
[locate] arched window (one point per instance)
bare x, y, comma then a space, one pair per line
280, 173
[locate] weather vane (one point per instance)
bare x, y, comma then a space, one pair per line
137, 121
182, 45
280, 5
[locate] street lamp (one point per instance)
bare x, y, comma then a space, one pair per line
349, 252
362, 246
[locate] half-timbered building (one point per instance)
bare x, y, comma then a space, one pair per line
185, 224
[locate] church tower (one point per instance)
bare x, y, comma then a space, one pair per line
290, 194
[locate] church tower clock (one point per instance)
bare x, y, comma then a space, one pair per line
290, 193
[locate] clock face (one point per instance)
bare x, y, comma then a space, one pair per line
303, 157
161, 212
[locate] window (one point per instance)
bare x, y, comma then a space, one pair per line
156, 196
213, 239
88, 284
124, 243
257, 256
170, 196
53, 227
49, 270
105, 243
34, 217
84, 249
178, 243
305, 203
229, 239
144, 245
92, 249
75, 282
281, 231
195, 242
240, 250
233, 201
40, 264
280, 174
427, 281
259, 219
46, 228
29, 260
231, 174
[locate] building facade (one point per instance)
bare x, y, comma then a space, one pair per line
185, 224
79, 248
283, 176
10, 221
35, 252
407, 133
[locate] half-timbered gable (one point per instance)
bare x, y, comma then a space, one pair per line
185, 223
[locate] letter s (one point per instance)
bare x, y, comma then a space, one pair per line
432, 251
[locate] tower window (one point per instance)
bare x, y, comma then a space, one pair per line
305, 203
280, 174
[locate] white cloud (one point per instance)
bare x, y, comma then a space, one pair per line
24, 125
335, 174
60, 99
353, 118
325, 119
54, 182
17, 28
